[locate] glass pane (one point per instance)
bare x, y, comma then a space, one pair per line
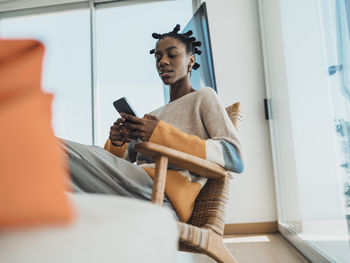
310, 128
66, 66
336, 23
125, 68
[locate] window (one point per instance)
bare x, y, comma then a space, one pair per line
121, 30
309, 132
66, 66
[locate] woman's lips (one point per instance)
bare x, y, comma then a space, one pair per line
165, 73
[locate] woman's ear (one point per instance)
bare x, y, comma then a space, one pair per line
191, 62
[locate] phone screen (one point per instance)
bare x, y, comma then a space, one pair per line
122, 105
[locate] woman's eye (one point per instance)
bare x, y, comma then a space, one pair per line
172, 55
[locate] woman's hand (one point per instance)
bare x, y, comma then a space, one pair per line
138, 127
118, 133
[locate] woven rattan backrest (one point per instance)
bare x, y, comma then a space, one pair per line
210, 206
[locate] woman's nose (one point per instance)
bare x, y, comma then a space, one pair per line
164, 60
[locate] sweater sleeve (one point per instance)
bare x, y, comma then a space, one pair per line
224, 154
224, 146
216, 120
218, 151
126, 151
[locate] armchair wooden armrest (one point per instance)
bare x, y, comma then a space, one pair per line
162, 155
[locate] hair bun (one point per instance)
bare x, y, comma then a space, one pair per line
188, 33
176, 29
156, 35
196, 50
196, 66
197, 44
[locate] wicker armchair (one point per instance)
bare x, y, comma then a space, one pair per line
203, 233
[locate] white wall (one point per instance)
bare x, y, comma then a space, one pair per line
235, 37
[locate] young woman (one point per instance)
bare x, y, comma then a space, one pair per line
193, 121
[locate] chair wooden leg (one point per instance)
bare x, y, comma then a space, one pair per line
218, 251
159, 179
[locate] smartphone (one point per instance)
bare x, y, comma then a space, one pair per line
122, 105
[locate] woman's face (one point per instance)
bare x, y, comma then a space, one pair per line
172, 60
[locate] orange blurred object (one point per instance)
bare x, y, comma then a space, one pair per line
33, 170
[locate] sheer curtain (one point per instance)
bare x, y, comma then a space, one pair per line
343, 43
343, 48
337, 38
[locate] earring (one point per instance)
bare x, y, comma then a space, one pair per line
189, 70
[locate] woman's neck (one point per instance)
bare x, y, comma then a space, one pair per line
180, 88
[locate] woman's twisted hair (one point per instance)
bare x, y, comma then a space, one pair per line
186, 38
